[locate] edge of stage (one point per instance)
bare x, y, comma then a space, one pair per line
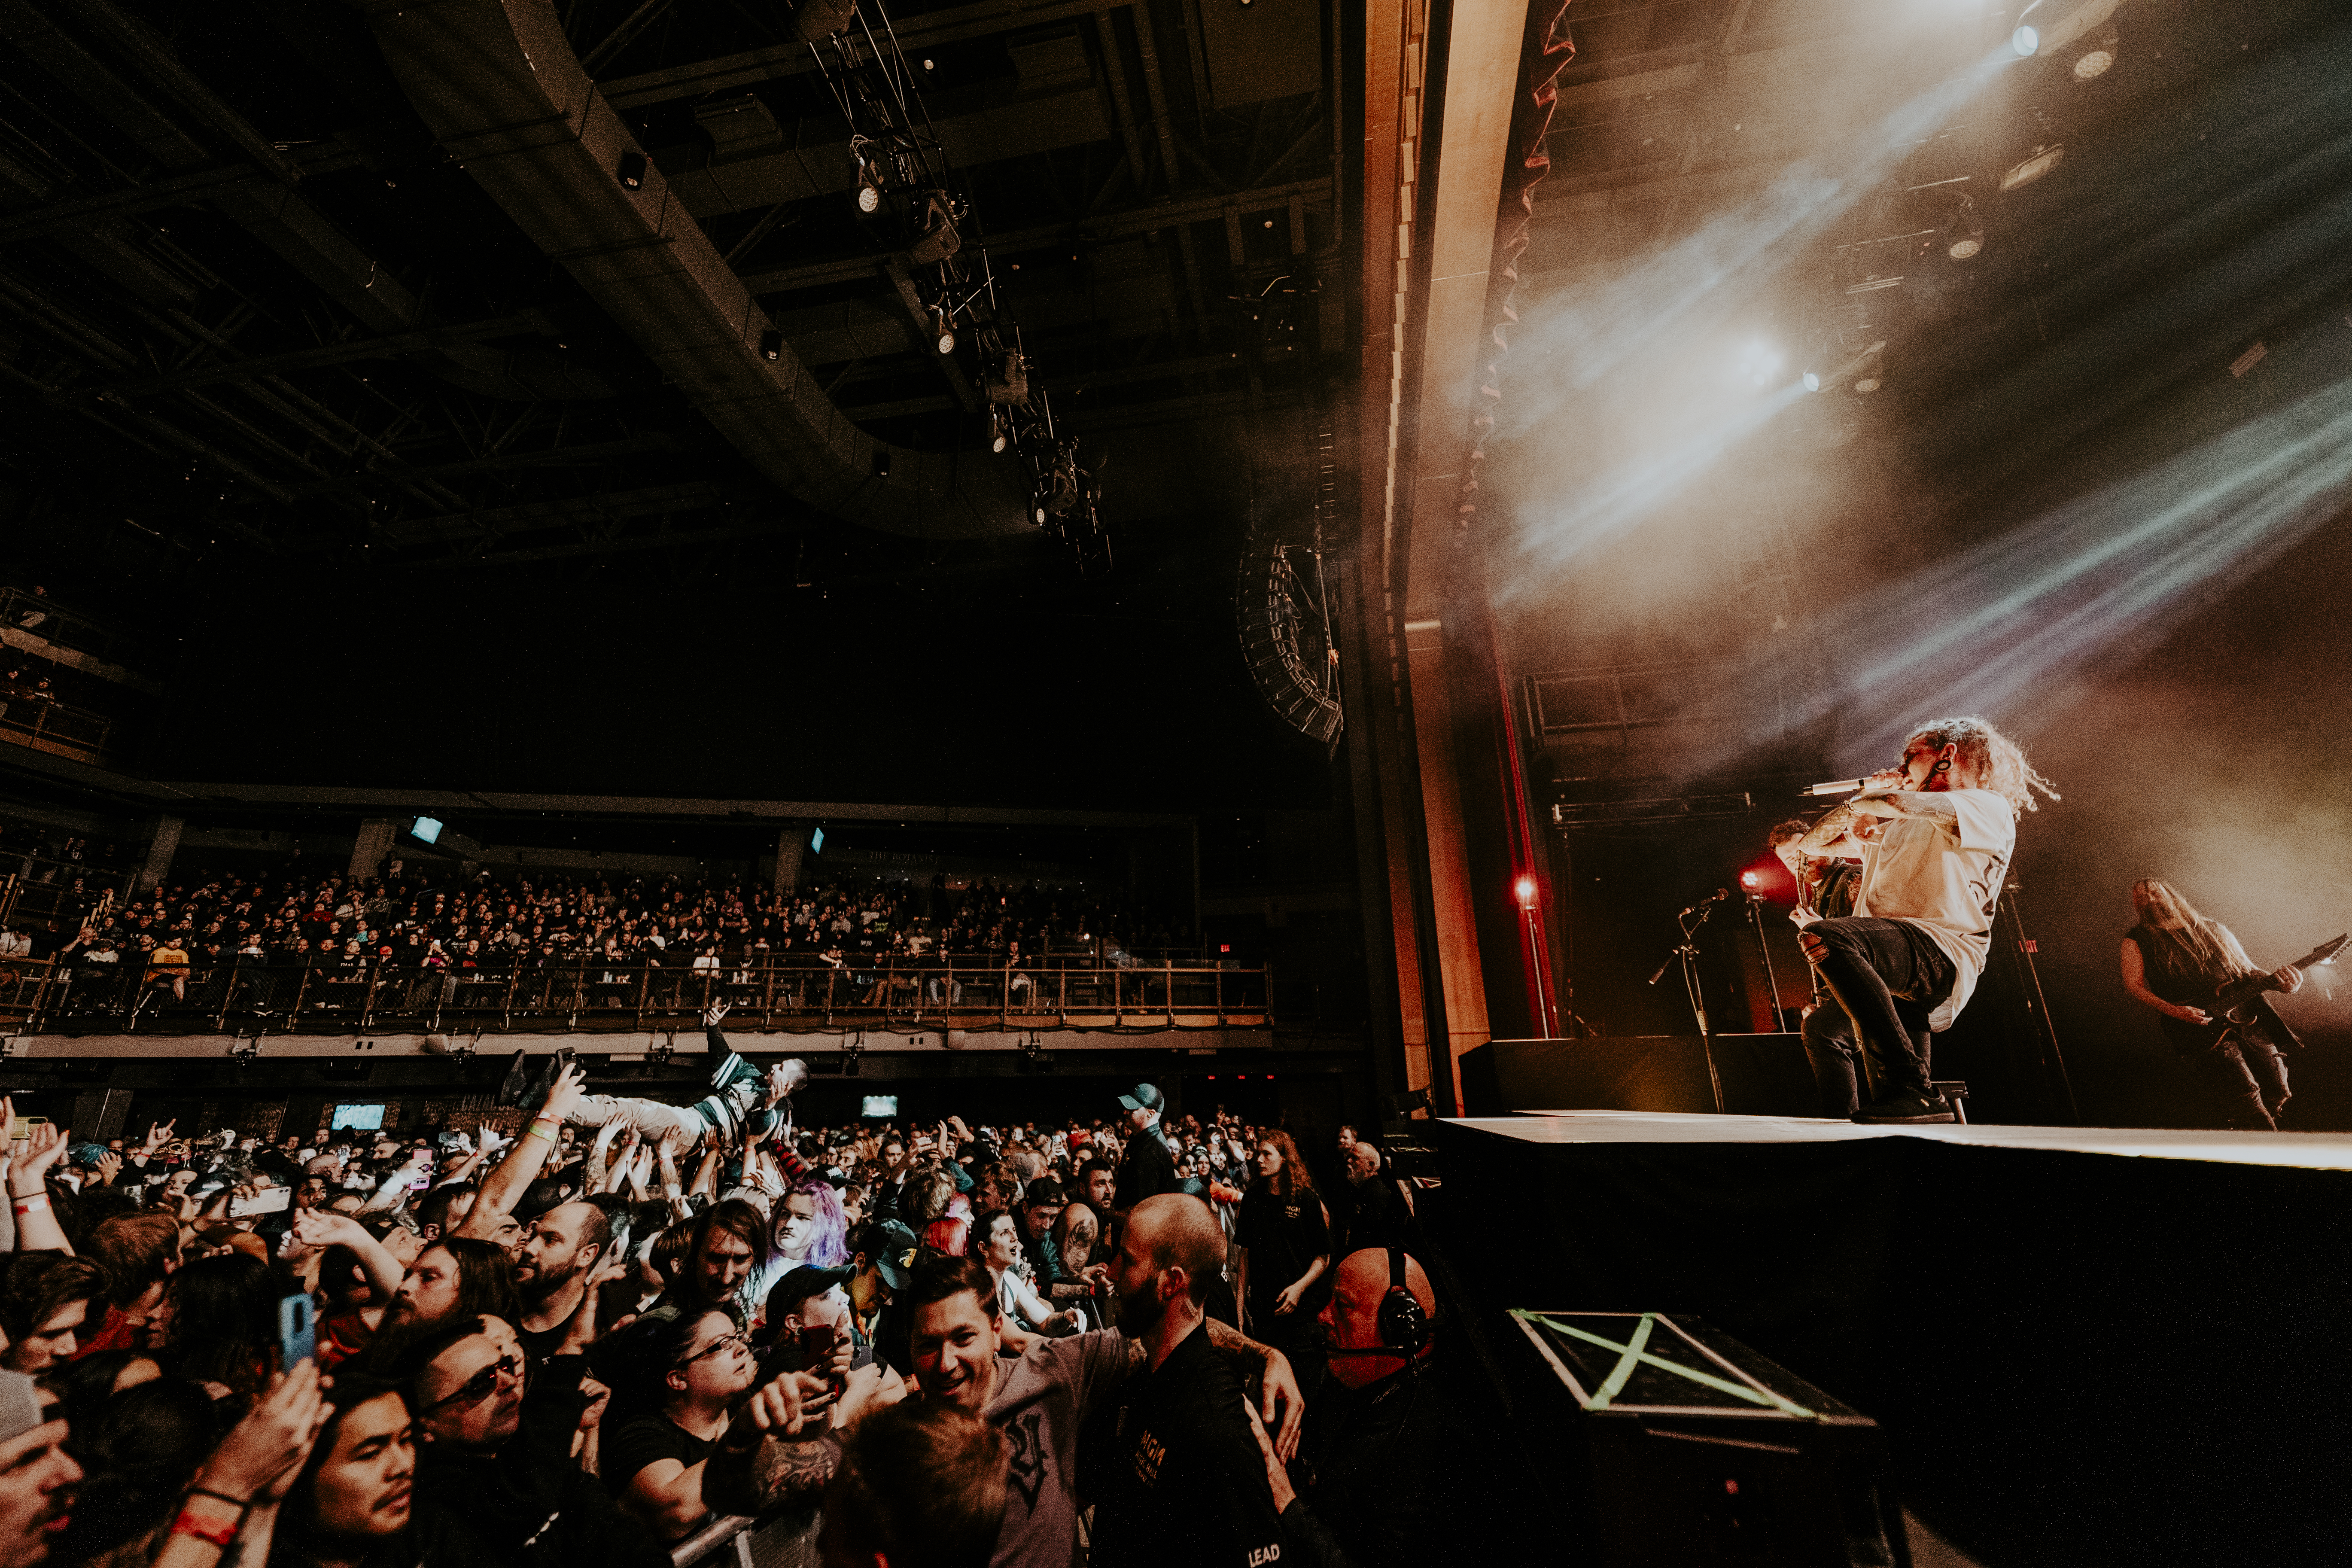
2309, 1150
2087, 1345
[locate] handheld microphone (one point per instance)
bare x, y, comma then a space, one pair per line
1836, 786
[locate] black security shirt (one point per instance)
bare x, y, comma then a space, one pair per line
1186, 1486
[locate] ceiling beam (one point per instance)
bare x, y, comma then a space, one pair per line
608, 506
394, 346
1095, 230
916, 34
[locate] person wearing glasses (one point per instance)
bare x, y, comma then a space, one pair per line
673, 1379
499, 1455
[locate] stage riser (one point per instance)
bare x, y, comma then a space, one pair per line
1762, 1075
2078, 1358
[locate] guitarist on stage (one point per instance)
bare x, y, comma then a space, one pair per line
2176, 958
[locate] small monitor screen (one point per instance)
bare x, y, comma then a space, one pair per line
428, 828
359, 1118
816, 842
880, 1105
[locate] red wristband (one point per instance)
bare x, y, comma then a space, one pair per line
220, 1535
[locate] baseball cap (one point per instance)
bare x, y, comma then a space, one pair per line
891, 1248
799, 1284
1145, 1098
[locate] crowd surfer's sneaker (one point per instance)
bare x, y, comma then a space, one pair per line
516, 1085
1906, 1106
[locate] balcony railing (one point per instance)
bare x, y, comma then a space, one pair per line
571, 994
45, 618
51, 726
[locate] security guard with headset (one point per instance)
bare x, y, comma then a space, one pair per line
1369, 1487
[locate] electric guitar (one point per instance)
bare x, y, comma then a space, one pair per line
2232, 1002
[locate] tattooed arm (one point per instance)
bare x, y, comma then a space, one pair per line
1281, 1391
780, 1449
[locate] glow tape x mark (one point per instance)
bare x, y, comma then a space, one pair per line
1633, 1353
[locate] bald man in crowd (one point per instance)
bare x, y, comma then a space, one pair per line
1184, 1486
1379, 1448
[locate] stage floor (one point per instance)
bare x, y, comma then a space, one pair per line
2308, 1151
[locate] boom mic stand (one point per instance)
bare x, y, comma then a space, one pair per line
1686, 952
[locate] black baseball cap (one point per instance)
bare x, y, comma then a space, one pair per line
799, 1284
1145, 1098
890, 1247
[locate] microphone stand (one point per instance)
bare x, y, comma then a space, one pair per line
2029, 979
1687, 953
1771, 984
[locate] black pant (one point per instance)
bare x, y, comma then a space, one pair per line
2246, 1075
1889, 977
1831, 1049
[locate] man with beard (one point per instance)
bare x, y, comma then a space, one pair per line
552, 1272
37, 1475
1184, 1486
502, 1457
1038, 1402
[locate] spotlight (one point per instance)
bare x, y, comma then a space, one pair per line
1526, 888
2045, 159
2100, 58
2025, 41
869, 196
1867, 366
631, 170
1964, 236
939, 239
817, 20
771, 345
944, 333
1759, 363
882, 462
1008, 380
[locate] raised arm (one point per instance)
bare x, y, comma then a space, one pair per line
507, 1185
322, 1229
38, 1229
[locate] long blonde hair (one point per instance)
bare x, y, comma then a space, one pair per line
1995, 759
2193, 944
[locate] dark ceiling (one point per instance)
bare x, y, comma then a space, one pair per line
276, 363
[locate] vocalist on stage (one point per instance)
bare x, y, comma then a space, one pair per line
1934, 836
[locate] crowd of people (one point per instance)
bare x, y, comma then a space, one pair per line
1147, 1337
874, 937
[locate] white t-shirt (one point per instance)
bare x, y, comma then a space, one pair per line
1943, 873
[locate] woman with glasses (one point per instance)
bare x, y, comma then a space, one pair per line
673, 1379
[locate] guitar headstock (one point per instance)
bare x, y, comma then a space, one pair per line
2325, 952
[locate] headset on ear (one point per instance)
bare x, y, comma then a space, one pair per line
1405, 1328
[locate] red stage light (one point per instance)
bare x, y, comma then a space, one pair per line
1748, 878
1526, 889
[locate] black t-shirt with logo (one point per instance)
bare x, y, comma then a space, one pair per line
1186, 1485
1284, 1235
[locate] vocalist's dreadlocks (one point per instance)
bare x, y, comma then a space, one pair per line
1995, 757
